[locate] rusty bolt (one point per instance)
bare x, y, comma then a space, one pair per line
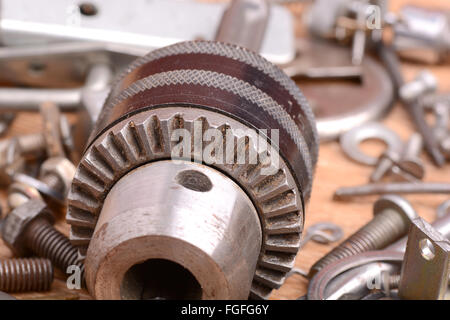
21, 275
28, 228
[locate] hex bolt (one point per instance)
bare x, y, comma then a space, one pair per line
391, 221
22, 275
45, 241
28, 228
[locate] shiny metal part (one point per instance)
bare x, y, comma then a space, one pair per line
411, 94
218, 245
148, 106
318, 285
355, 281
340, 105
244, 23
422, 34
351, 140
347, 21
443, 209
391, 221
165, 23
322, 232
91, 95
426, 265
425, 83
347, 193
402, 166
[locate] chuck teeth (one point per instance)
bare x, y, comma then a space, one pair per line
135, 143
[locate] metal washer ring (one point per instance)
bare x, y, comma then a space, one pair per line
351, 140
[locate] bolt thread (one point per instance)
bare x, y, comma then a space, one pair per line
394, 281
21, 275
385, 228
45, 241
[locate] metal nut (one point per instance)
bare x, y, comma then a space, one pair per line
60, 167
18, 220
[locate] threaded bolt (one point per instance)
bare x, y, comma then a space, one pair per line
21, 275
391, 221
45, 241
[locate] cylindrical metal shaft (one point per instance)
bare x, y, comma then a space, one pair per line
182, 239
21, 275
383, 229
346, 193
45, 241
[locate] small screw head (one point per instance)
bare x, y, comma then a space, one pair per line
396, 203
17, 221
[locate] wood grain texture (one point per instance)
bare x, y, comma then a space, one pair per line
334, 169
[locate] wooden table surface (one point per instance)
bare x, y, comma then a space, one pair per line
334, 169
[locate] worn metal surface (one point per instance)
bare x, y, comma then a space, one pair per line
22, 275
165, 23
218, 243
355, 281
16, 223
198, 86
392, 219
342, 105
422, 34
426, 265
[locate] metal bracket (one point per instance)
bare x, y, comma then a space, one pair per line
426, 266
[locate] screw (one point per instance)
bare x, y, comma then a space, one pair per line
411, 94
406, 165
20, 275
45, 241
391, 221
385, 163
28, 228
410, 166
424, 83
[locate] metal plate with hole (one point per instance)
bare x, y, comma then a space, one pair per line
351, 140
341, 105
426, 266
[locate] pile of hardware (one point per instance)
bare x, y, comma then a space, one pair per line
188, 159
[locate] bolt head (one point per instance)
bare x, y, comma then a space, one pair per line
60, 167
17, 221
398, 204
